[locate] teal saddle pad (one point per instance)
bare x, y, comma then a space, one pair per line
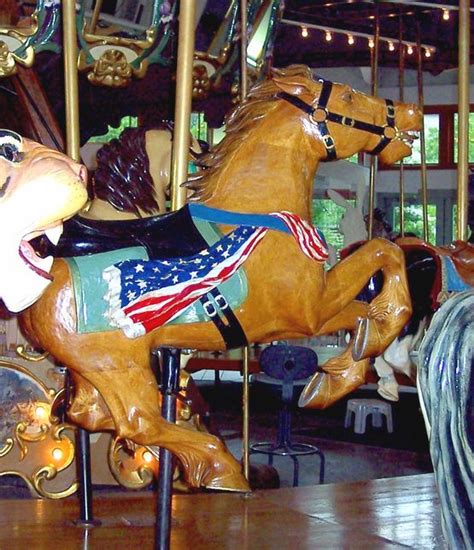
90, 288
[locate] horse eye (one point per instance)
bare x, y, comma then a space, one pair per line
348, 97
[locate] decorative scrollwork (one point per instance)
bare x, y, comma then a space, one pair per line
132, 466
33, 357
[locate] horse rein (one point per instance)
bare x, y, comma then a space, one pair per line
320, 115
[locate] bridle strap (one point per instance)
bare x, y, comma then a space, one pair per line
320, 115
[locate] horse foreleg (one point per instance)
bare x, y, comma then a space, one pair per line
132, 397
341, 374
388, 312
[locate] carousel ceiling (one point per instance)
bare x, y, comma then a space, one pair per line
318, 33
340, 33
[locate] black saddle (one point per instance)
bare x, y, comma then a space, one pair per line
165, 236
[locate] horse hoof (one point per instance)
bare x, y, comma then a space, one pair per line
233, 481
324, 389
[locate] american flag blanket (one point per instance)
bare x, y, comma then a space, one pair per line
144, 295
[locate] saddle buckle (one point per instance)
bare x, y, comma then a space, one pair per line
209, 308
221, 302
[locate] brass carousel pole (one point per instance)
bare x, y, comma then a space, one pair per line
463, 119
373, 159
401, 83
95, 16
245, 350
71, 86
170, 357
421, 101
182, 113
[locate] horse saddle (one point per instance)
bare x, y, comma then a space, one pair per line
166, 236
89, 246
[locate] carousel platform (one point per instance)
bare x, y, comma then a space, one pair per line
400, 512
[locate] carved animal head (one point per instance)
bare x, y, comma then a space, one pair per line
347, 120
39, 189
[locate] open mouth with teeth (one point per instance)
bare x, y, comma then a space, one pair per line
30, 256
409, 137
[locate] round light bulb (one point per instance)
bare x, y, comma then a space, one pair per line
445, 15
350, 39
328, 36
147, 457
304, 32
428, 53
391, 46
57, 454
371, 43
40, 412
409, 50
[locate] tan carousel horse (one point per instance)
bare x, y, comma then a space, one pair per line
266, 163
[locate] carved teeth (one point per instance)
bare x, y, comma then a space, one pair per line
54, 233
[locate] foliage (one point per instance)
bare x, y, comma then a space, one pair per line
414, 220
114, 133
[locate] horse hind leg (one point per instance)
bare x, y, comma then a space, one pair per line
132, 397
340, 375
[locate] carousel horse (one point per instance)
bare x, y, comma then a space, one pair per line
445, 386
257, 188
434, 273
132, 177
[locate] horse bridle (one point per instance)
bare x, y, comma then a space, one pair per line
320, 115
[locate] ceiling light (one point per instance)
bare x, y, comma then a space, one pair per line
328, 36
391, 46
445, 15
409, 49
371, 43
304, 32
350, 39
427, 52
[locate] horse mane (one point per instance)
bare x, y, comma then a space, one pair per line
123, 177
239, 124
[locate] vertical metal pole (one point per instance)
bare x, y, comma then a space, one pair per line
71, 80
421, 103
243, 50
245, 350
245, 414
73, 150
463, 119
401, 83
373, 159
184, 81
169, 387
95, 16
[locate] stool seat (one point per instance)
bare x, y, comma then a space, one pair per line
362, 408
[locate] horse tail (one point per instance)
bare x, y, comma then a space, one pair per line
446, 383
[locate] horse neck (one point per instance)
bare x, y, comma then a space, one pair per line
268, 172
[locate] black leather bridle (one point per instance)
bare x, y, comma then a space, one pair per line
320, 115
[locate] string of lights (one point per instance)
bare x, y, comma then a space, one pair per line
429, 49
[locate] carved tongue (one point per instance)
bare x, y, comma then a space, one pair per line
29, 256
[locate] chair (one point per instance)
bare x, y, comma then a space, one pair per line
287, 366
362, 408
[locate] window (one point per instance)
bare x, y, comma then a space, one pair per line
113, 133
471, 138
327, 216
441, 130
414, 220
431, 142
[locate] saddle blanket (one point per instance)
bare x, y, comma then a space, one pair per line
143, 295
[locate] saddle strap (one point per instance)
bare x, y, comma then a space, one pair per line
225, 320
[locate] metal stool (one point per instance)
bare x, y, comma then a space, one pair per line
362, 408
286, 366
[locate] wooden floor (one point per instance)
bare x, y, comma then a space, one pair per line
385, 513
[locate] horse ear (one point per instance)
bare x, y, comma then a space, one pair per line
296, 86
339, 199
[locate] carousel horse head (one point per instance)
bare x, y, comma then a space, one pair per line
39, 189
346, 121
